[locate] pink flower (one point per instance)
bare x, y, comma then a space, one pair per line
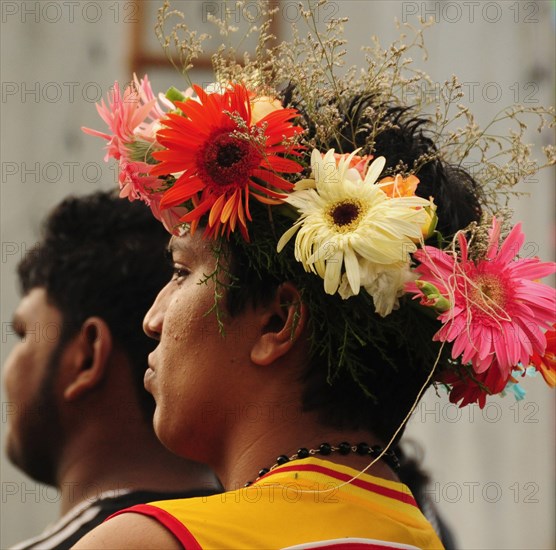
135, 182
132, 118
170, 217
147, 129
499, 309
357, 163
125, 115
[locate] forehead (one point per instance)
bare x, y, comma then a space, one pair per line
35, 303
36, 316
192, 245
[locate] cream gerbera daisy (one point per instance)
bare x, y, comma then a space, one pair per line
386, 284
349, 225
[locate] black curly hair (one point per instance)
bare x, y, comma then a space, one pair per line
405, 142
102, 256
389, 361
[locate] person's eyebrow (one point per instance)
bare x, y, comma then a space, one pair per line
173, 246
178, 245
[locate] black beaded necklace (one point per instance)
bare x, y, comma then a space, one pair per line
343, 448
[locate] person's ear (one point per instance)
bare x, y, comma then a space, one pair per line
282, 324
90, 352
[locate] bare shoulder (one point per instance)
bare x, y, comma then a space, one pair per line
129, 531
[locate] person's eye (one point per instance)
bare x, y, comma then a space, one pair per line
179, 273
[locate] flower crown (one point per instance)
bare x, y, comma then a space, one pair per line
230, 160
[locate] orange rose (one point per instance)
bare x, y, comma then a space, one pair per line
399, 186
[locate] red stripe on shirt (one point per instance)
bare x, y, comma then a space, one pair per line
367, 485
178, 529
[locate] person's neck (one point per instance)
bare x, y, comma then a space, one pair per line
260, 447
93, 465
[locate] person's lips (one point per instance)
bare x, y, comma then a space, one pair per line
149, 373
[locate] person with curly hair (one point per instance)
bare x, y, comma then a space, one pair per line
81, 420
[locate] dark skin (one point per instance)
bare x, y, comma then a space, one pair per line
258, 361
101, 440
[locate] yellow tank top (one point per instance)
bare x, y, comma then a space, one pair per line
305, 504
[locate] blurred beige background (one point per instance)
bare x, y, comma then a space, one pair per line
493, 470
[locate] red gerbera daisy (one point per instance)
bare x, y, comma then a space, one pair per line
546, 364
471, 387
225, 157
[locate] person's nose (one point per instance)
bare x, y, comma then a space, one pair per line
154, 318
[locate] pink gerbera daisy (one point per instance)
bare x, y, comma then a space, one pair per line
499, 310
126, 115
131, 117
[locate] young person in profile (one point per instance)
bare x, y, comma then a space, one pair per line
332, 259
82, 420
